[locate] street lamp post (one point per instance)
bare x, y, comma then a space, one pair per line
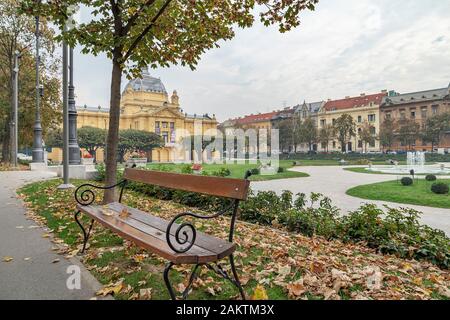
74, 149
66, 184
38, 150
15, 120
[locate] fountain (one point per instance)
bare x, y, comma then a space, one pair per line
414, 161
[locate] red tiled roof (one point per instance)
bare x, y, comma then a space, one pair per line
355, 102
256, 118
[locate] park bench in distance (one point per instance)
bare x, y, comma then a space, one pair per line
178, 243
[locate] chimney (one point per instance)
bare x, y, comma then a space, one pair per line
347, 97
384, 91
363, 94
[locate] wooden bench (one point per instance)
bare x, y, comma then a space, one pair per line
178, 242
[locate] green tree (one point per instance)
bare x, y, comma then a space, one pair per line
308, 132
17, 34
387, 133
366, 136
139, 33
131, 140
297, 130
326, 134
435, 128
344, 129
54, 139
286, 134
408, 133
91, 139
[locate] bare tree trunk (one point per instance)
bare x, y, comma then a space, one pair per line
113, 132
6, 141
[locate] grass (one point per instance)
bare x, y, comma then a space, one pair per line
364, 170
237, 170
323, 163
119, 263
418, 194
262, 253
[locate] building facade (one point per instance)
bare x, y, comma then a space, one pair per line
145, 105
416, 106
365, 111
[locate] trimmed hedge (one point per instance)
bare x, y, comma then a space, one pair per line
406, 181
431, 177
440, 188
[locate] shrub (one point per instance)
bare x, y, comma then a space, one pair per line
398, 232
223, 172
187, 169
394, 231
361, 162
407, 181
101, 173
431, 177
255, 171
440, 188
281, 169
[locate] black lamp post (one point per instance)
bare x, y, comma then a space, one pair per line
38, 150
74, 149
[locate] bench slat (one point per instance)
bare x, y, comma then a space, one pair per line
214, 186
153, 238
203, 240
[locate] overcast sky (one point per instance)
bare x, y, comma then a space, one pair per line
345, 47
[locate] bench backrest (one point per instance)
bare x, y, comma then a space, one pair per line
213, 186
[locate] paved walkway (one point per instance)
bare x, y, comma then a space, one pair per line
335, 181
32, 274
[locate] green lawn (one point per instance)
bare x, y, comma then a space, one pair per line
418, 194
237, 170
320, 163
364, 170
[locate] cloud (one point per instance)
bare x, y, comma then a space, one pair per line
345, 47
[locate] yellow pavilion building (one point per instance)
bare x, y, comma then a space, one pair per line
146, 106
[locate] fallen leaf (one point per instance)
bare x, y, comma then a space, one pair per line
296, 289
181, 287
145, 294
211, 291
444, 292
124, 213
112, 289
55, 261
7, 259
284, 271
259, 293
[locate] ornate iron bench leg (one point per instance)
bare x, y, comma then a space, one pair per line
236, 278
167, 280
186, 291
85, 234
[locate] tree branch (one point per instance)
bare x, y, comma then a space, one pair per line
146, 31
131, 22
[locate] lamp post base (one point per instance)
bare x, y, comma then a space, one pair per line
65, 186
38, 166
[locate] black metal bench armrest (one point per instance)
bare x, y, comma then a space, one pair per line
85, 194
182, 235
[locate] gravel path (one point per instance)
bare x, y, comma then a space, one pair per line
335, 181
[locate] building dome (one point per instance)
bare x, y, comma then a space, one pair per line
147, 83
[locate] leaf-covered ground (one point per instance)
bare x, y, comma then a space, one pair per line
273, 264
